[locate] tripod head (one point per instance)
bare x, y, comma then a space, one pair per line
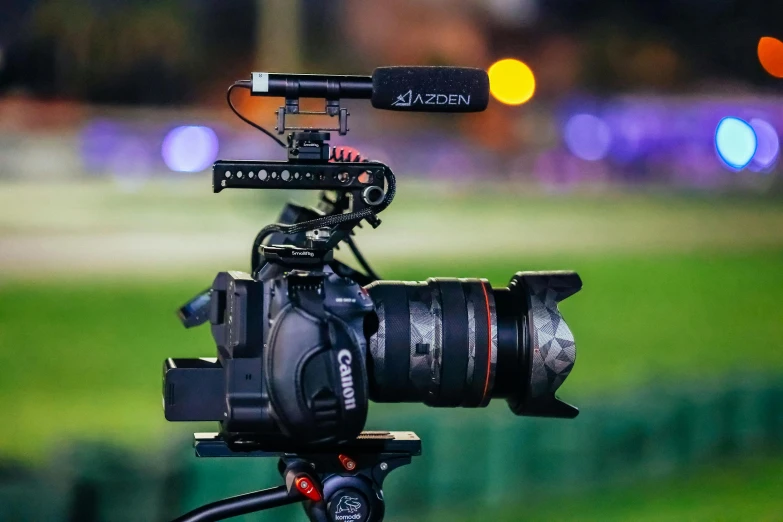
335, 484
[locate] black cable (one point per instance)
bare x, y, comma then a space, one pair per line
245, 84
241, 505
342, 154
325, 221
360, 258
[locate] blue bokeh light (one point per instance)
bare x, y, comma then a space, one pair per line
736, 142
190, 148
588, 137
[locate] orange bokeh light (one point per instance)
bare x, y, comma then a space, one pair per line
771, 56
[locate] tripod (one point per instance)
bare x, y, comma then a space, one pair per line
336, 484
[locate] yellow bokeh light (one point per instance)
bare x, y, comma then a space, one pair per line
511, 81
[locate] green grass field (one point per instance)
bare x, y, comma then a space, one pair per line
747, 490
84, 358
676, 290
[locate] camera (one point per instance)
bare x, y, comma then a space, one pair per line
291, 356
305, 341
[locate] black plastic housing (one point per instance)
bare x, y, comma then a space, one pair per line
291, 358
193, 390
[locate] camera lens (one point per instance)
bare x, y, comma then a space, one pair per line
460, 342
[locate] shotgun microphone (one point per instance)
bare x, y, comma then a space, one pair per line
415, 89
430, 89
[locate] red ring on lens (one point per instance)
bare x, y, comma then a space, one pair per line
489, 342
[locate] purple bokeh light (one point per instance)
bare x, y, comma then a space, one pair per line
768, 149
189, 148
132, 163
98, 141
588, 137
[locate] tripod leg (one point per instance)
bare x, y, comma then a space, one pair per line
241, 505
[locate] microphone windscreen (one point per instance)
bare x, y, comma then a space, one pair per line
430, 89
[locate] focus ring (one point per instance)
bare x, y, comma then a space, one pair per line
475, 381
454, 354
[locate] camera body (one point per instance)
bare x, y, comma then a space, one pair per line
291, 354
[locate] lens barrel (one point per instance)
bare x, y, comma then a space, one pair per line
460, 342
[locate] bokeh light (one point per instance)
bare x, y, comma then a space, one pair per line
189, 148
768, 148
511, 81
735, 142
99, 140
588, 137
771, 56
132, 163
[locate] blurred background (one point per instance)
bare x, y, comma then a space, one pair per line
635, 142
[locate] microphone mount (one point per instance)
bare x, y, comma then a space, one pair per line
331, 110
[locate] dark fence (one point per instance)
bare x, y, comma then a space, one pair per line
472, 459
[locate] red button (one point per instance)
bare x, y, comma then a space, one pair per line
347, 462
306, 487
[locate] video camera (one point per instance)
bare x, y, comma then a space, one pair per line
304, 341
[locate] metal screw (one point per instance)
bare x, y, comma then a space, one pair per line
384, 466
318, 235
